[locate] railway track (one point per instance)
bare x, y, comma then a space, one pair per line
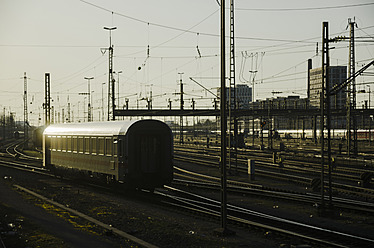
292, 158
301, 174
25, 167
306, 147
192, 179
237, 186
288, 172
14, 149
242, 216
7, 148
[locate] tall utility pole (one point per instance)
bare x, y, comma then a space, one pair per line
89, 98
223, 124
326, 79
53, 115
111, 80
181, 108
351, 93
232, 91
102, 101
47, 103
25, 111
325, 44
326, 111
310, 66
369, 94
369, 118
4, 136
68, 120
118, 72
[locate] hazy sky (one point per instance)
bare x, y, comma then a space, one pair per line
64, 38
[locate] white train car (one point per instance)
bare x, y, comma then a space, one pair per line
136, 153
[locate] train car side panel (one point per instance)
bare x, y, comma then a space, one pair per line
86, 153
136, 153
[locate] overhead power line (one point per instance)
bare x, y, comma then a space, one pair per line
186, 30
310, 8
136, 19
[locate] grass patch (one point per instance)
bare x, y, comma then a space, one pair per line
33, 153
18, 231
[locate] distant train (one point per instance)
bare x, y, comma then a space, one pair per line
18, 134
137, 154
37, 137
340, 134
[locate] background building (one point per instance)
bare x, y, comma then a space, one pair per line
337, 75
243, 95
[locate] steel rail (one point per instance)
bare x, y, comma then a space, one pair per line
296, 178
202, 204
247, 188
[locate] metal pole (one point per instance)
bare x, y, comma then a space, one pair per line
223, 122
308, 83
25, 114
102, 102
351, 98
4, 136
322, 107
89, 98
79, 120
315, 129
369, 117
47, 103
369, 94
68, 119
369, 130
262, 132
119, 72
53, 114
181, 108
233, 120
253, 130
328, 110
111, 81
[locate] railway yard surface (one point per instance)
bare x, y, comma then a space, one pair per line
28, 221
39, 224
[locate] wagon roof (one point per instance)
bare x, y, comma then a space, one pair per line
90, 128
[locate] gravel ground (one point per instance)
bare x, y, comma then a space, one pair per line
161, 226
155, 224
158, 225
343, 220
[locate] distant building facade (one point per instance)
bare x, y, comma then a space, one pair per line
243, 95
337, 75
289, 102
283, 122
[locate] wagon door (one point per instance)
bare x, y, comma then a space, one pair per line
149, 149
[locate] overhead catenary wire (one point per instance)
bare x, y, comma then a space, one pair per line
306, 9
185, 30
180, 57
216, 35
